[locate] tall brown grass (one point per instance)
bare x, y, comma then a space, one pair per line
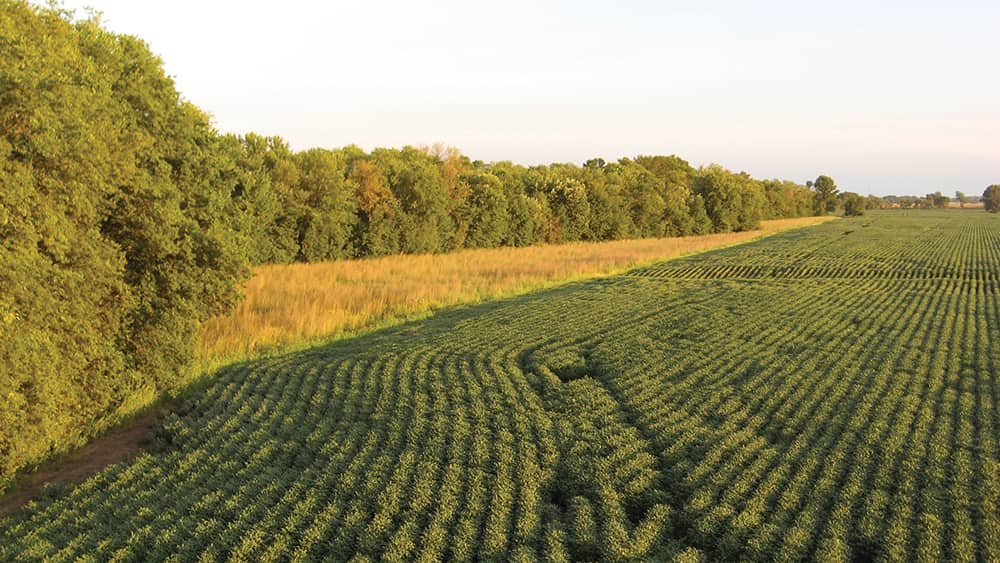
296, 304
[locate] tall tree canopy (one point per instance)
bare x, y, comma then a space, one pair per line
991, 198
854, 204
734, 202
115, 219
824, 195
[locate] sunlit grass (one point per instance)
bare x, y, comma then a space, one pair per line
292, 304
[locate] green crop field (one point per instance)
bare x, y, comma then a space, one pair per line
827, 393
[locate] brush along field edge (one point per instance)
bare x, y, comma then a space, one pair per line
292, 306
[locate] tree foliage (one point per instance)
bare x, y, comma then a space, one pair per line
824, 195
114, 221
991, 198
854, 204
937, 200
734, 202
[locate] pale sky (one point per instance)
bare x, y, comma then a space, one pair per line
885, 97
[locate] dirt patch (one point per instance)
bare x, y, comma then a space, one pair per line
117, 445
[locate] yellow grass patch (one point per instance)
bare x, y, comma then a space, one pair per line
293, 304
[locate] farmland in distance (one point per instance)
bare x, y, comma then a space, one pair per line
825, 393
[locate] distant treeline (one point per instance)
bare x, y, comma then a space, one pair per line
126, 219
990, 200
936, 200
323, 204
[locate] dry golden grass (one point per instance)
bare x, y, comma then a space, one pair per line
294, 304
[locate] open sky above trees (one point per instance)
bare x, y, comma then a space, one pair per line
894, 97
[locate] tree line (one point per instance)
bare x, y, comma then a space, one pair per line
322, 204
990, 199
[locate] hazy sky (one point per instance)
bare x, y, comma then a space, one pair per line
886, 97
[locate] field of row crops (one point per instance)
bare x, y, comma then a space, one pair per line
828, 393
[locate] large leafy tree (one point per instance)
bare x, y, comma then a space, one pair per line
529, 215
991, 198
937, 200
609, 218
265, 195
114, 238
734, 202
787, 199
415, 179
566, 199
854, 204
643, 193
484, 215
676, 176
329, 210
379, 229
824, 195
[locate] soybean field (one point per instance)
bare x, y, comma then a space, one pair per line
828, 393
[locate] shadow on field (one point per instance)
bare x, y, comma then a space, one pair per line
127, 440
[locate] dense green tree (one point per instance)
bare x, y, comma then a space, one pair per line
566, 199
854, 204
529, 220
701, 223
734, 202
379, 229
962, 199
416, 181
529, 214
115, 220
753, 203
266, 196
452, 164
787, 199
937, 200
668, 168
991, 198
485, 215
609, 218
326, 224
824, 195
643, 194
676, 176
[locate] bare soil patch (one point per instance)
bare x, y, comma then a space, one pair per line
120, 444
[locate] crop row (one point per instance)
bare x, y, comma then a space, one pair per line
934, 247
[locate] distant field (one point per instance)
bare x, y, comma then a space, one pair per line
290, 304
829, 393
